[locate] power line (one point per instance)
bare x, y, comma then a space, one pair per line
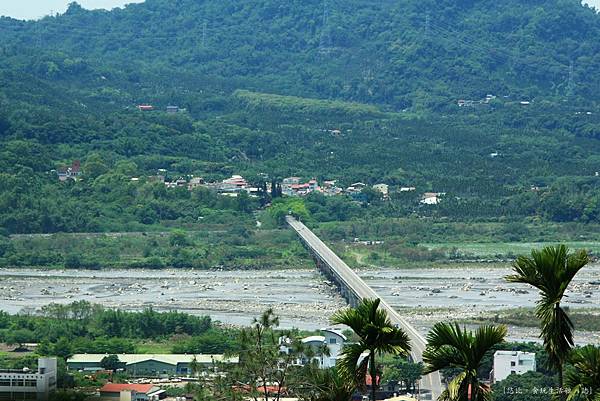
325, 42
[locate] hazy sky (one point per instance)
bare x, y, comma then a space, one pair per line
595, 3
33, 9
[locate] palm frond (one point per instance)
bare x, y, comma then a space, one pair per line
351, 366
486, 337
551, 270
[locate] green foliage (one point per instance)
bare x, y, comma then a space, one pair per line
111, 362
584, 377
377, 336
288, 206
531, 386
551, 271
211, 342
80, 327
232, 246
449, 346
406, 372
260, 108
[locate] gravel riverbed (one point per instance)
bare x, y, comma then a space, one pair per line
302, 298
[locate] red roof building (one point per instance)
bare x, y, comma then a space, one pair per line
139, 392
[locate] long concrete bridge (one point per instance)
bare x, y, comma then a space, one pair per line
354, 289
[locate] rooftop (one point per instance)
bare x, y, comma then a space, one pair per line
116, 388
311, 339
514, 353
171, 359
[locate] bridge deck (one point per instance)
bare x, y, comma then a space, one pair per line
361, 290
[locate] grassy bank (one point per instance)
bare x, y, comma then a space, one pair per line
587, 320
235, 248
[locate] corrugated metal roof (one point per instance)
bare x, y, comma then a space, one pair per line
171, 359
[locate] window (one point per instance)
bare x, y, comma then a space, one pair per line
18, 383
30, 383
4, 382
512, 363
512, 372
332, 341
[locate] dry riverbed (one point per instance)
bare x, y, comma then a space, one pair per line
303, 298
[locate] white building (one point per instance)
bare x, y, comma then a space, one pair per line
332, 339
512, 362
383, 188
26, 385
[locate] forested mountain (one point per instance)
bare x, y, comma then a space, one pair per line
266, 82
404, 54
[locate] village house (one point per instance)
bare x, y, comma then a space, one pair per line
145, 107
180, 182
355, 192
172, 109
330, 188
291, 186
70, 173
384, 189
408, 189
195, 182
432, 198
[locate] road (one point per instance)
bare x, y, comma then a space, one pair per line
352, 281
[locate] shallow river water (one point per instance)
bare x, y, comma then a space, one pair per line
302, 298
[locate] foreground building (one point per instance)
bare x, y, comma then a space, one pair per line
131, 392
512, 362
150, 365
331, 339
26, 385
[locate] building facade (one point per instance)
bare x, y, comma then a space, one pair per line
332, 339
142, 365
26, 385
512, 362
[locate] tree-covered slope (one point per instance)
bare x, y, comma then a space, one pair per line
419, 54
265, 84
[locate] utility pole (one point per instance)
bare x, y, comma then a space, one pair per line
204, 35
571, 82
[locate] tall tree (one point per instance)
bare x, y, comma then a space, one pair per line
551, 270
377, 336
584, 378
264, 366
449, 346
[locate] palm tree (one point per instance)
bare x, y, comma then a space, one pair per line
377, 336
449, 346
551, 271
334, 387
584, 378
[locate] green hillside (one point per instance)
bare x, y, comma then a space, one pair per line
265, 84
407, 54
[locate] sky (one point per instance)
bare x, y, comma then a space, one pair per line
34, 9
